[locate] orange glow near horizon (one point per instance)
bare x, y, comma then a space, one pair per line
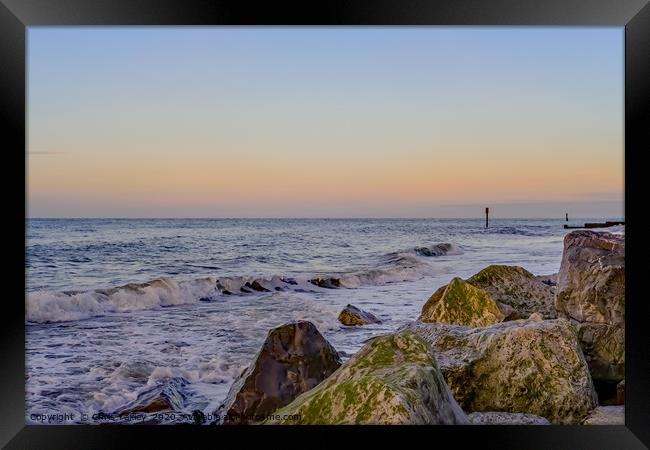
293, 123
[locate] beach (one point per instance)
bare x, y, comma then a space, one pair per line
116, 306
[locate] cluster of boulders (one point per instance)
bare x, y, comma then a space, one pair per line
501, 347
495, 294
394, 379
591, 293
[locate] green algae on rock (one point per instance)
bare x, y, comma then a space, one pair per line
393, 379
460, 303
521, 366
517, 288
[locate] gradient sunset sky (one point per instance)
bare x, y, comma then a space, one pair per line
325, 122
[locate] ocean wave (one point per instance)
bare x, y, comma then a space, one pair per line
63, 306
617, 229
513, 231
443, 249
438, 250
49, 306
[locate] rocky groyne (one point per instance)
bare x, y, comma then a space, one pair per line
501, 347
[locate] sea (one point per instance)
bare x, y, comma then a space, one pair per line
117, 306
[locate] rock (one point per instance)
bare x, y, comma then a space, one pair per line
393, 379
256, 286
504, 418
501, 292
461, 303
606, 415
436, 250
351, 315
508, 312
604, 349
167, 395
521, 366
591, 290
517, 288
327, 283
294, 358
536, 316
591, 282
620, 393
549, 280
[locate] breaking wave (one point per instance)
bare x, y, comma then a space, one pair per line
62, 306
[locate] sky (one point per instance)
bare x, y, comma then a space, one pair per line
325, 122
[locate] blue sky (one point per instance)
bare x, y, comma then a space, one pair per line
365, 121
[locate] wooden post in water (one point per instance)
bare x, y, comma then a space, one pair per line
567, 217
487, 214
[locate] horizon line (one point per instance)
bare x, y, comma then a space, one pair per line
322, 218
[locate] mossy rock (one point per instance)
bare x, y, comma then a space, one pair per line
518, 289
393, 379
521, 366
461, 303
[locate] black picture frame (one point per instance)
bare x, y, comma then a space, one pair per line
17, 15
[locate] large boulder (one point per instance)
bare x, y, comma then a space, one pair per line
353, 316
591, 291
504, 418
591, 282
393, 379
606, 415
294, 358
461, 303
517, 288
521, 366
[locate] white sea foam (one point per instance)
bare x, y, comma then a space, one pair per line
49, 306
617, 229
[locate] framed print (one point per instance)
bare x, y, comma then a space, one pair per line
372, 219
